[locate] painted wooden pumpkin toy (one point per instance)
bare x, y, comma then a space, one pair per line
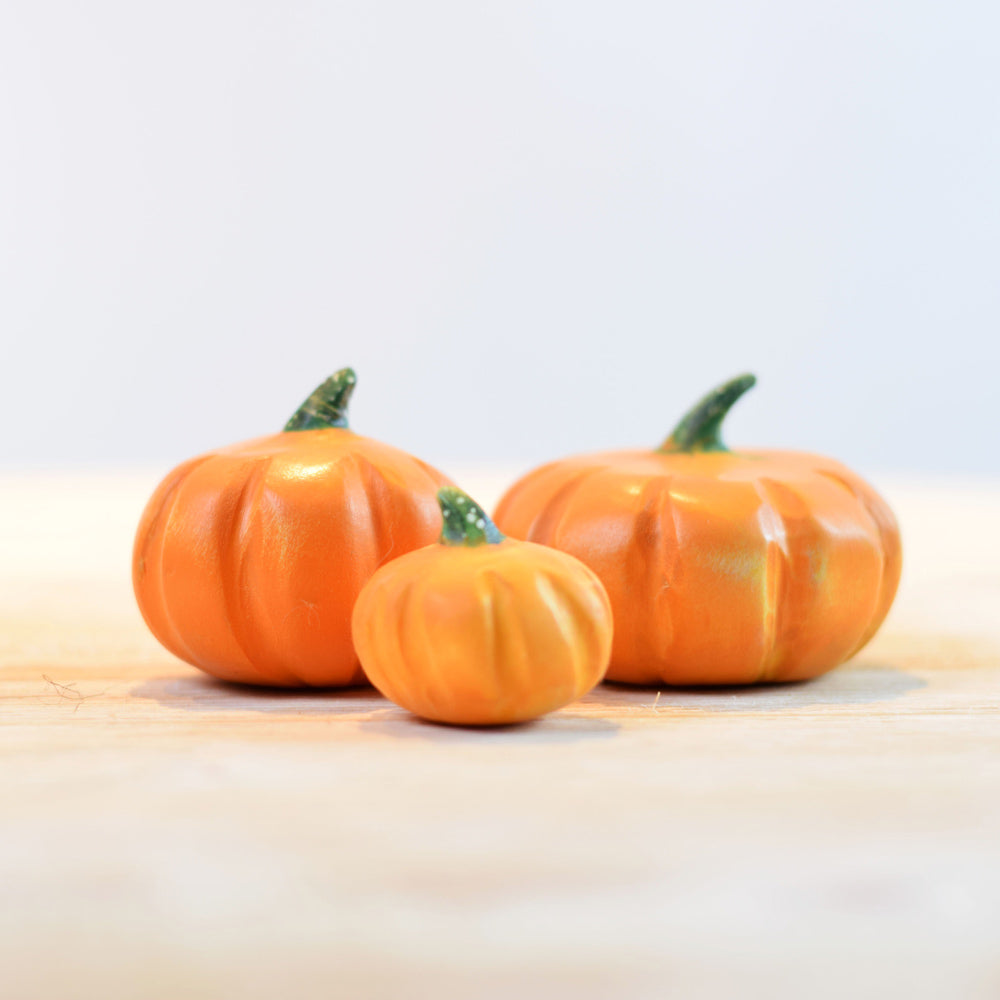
479, 629
248, 559
723, 567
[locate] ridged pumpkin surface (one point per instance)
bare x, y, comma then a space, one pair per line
483, 634
722, 567
248, 560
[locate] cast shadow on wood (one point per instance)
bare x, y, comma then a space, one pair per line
194, 693
559, 727
865, 684
201, 693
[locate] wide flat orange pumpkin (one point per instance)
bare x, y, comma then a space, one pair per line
248, 559
723, 567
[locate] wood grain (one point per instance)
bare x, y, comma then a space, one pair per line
164, 835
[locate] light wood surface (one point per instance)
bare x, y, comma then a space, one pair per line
162, 835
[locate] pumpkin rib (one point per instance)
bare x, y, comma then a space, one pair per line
892, 557
259, 623
546, 525
799, 595
407, 653
576, 607
776, 571
375, 482
561, 616
152, 527
523, 660
519, 658
382, 525
888, 583
242, 619
799, 610
645, 565
359, 470
663, 598
413, 634
514, 660
162, 534
861, 499
151, 524
672, 594
869, 539
483, 588
346, 481
521, 614
256, 626
512, 655
873, 617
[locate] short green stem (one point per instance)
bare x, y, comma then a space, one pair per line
465, 522
326, 405
701, 427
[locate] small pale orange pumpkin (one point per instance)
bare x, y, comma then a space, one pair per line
480, 629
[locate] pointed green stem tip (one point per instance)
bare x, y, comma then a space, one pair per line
465, 522
326, 405
701, 427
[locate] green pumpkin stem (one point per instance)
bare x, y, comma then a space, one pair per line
700, 428
465, 522
327, 404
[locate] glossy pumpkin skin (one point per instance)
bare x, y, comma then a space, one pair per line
484, 633
248, 560
722, 567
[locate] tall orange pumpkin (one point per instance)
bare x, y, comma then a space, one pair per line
248, 559
723, 567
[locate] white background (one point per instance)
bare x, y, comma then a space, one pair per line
534, 228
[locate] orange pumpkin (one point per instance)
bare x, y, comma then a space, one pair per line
248, 559
723, 567
482, 630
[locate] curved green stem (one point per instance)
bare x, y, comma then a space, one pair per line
327, 404
465, 522
700, 428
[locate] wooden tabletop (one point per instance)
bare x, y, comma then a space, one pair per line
163, 835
